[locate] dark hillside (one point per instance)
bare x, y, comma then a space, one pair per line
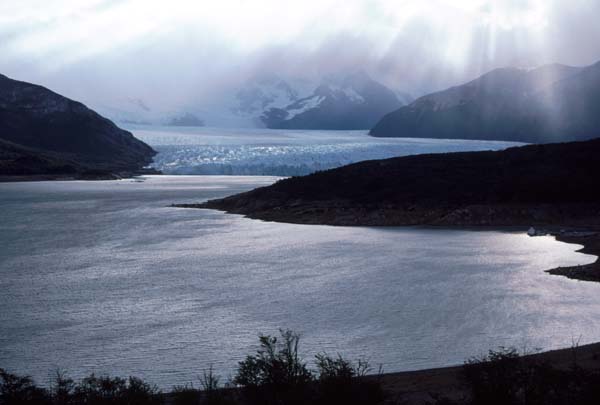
523, 185
42, 124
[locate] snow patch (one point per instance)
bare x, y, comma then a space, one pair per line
305, 105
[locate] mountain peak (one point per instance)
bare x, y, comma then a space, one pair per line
37, 119
352, 101
550, 103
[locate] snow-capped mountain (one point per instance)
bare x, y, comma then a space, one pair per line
264, 92
351, 102
267, 91
337, 102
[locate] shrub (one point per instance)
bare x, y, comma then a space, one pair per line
343, 382
495, 378
63, 389
185, 395
212, 392
94, 390
275, 374
16, 389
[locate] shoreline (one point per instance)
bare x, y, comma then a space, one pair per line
580, 232
591, 246
102, 176
425, 386
441, 385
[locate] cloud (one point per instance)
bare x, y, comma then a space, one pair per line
184, 49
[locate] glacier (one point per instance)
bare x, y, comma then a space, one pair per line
259, 151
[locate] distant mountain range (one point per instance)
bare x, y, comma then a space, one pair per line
42, 132
136, 111
263, 92
186, 120
548, 104
352, 102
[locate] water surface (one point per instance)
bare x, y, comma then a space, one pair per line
105, 277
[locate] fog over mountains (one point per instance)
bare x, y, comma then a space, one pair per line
552, 103
351, 102
324, 64
145, 61
341, 101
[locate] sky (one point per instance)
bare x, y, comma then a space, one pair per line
180, 50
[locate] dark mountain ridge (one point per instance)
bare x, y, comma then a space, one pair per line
37, 122
552, 103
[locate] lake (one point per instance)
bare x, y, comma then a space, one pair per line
105, 277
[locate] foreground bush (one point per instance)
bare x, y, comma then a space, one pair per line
20, 390
342, 382
276, 374
94, 390
211, 392
91, 390
185, 395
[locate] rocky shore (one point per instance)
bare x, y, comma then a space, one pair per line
591, 245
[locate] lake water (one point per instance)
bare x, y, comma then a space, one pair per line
105, 277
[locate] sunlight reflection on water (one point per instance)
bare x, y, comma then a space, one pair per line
105, 277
